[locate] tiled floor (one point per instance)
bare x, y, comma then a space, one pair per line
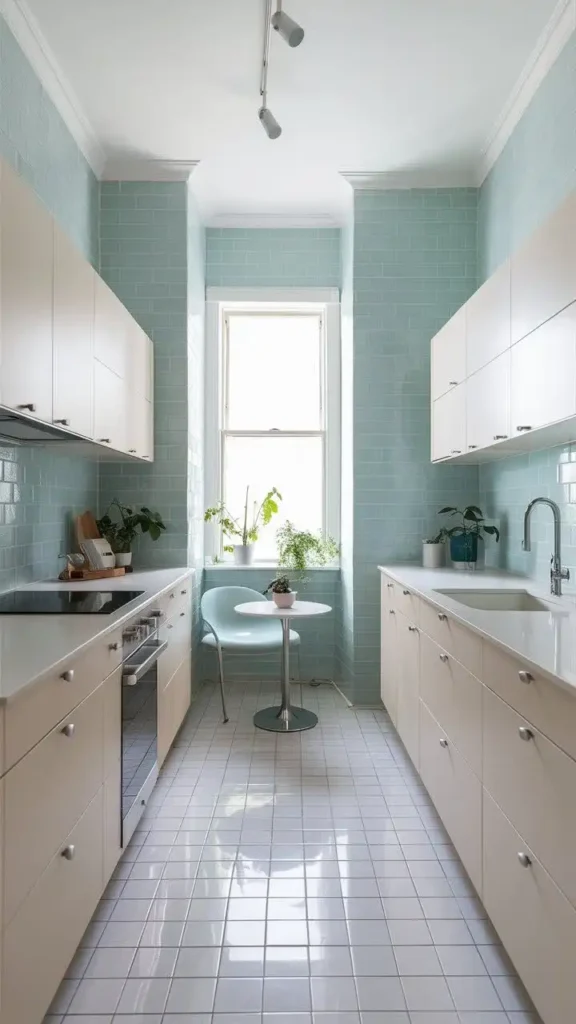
300, 879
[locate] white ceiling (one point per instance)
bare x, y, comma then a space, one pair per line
377, 85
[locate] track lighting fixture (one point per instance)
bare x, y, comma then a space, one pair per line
290, 31
293, 34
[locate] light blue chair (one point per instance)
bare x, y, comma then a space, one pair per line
239, 634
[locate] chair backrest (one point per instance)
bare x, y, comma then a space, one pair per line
218, 605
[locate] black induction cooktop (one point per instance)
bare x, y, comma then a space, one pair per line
65, 602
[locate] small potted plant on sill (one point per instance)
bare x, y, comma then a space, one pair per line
434, 550
464, 536
282, 594
299, 550
121, 533
248, 532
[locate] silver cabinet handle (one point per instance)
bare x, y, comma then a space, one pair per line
69, 852
524, 428
134, 671
172, 595
65, 422
406, 593
524, 860
500, 437
182, 614
525, 734
525, 677
391, 611
103, 440
443, 742
442, 617
114, 647
453, 383
412, 629
183, 592
455, 451
131, 451
389, 584
68, 675
29, 406
69, 730
444, 657
472, 445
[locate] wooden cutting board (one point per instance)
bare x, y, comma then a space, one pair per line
86, 528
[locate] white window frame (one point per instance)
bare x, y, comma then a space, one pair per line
219, 301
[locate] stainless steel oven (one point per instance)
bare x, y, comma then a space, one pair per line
142, 650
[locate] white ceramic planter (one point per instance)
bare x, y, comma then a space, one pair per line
284, 600
123, 558
243, 554
433, 555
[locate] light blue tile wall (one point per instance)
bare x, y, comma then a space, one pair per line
144, 259
41, 488
265, 257
534, 173
318, 635
414, 265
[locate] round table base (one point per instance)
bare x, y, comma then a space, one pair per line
285, 720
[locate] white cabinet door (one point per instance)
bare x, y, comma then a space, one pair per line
449, 424
544, 271
449, 355
543, 374
140, 419
407, 720
74, 287
488, 404
389, 660
26, 301
111, 330
110, 407
488, 320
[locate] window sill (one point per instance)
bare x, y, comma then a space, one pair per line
267, 566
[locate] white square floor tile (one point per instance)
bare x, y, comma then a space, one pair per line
418, 961
380, 994
144, 995
242, 962
427, 994
333, 994
110, 963
283, 995
287, 961
191, 995
474, 994
238, 995
196, 961
330, 961
97, 995
373, 961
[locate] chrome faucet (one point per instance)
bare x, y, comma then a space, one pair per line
557, 573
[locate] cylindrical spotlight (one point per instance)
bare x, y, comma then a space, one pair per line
269, 123
290, 31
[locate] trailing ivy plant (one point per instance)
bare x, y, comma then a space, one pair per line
300, 549
248, 529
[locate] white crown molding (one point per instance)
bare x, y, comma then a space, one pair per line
141, 168
548, 48
26, 30
380, 181
272, 220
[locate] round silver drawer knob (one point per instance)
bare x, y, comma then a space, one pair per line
68, 675
69, 852
443, 657
525, 734
524, 860
444, 742
69, 730
442, 617
525, 677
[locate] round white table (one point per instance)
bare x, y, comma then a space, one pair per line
284, 718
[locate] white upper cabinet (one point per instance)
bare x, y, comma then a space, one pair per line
488, 404
449, 355
488, 320
112, 328
26, 260
544, 271
449, 424
111, 397
74, 286
140, 416
544, 374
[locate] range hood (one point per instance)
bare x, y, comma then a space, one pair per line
15, 426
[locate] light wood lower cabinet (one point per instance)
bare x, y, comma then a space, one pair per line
534, 919
454, 697
407, 717
389, 663
41, 939
455, 790
173, 703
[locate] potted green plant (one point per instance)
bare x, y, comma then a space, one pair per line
282, 593
121, 532
465, 534
434, 550
249, 529
300, 549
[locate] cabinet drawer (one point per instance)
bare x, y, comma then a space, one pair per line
176, 599
46, 792
456, 792
388, 590
41, 939
535, 921
407, 603
458, 641
454, 697
178, 632
407, 717
173, 703
546, 704
34, 712
534, 783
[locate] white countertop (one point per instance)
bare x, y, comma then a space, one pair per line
546, 641
32, 645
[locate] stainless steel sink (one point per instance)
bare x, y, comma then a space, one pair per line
498, 600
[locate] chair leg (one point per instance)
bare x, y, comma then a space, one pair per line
221, 673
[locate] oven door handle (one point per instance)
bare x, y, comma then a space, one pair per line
134, 672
